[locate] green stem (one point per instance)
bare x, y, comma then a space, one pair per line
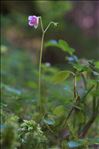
87, 126
75, 98
40, 62
75, 92
41, 24
49, 26
84, 80
89, 90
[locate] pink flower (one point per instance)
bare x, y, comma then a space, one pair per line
33, 21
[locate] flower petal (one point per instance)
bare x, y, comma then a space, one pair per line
33, 21
30, 23
37, 20
30, 18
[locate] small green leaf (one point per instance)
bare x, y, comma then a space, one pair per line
32, 84
63, 44
96, 93
97, 64
93, 141
80, 117
61, 76
59, 110
51, 43
65, 47
80, 68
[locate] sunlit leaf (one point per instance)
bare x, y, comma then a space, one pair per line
59, 110
52, 43
80, 68
63, 45
61, 76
